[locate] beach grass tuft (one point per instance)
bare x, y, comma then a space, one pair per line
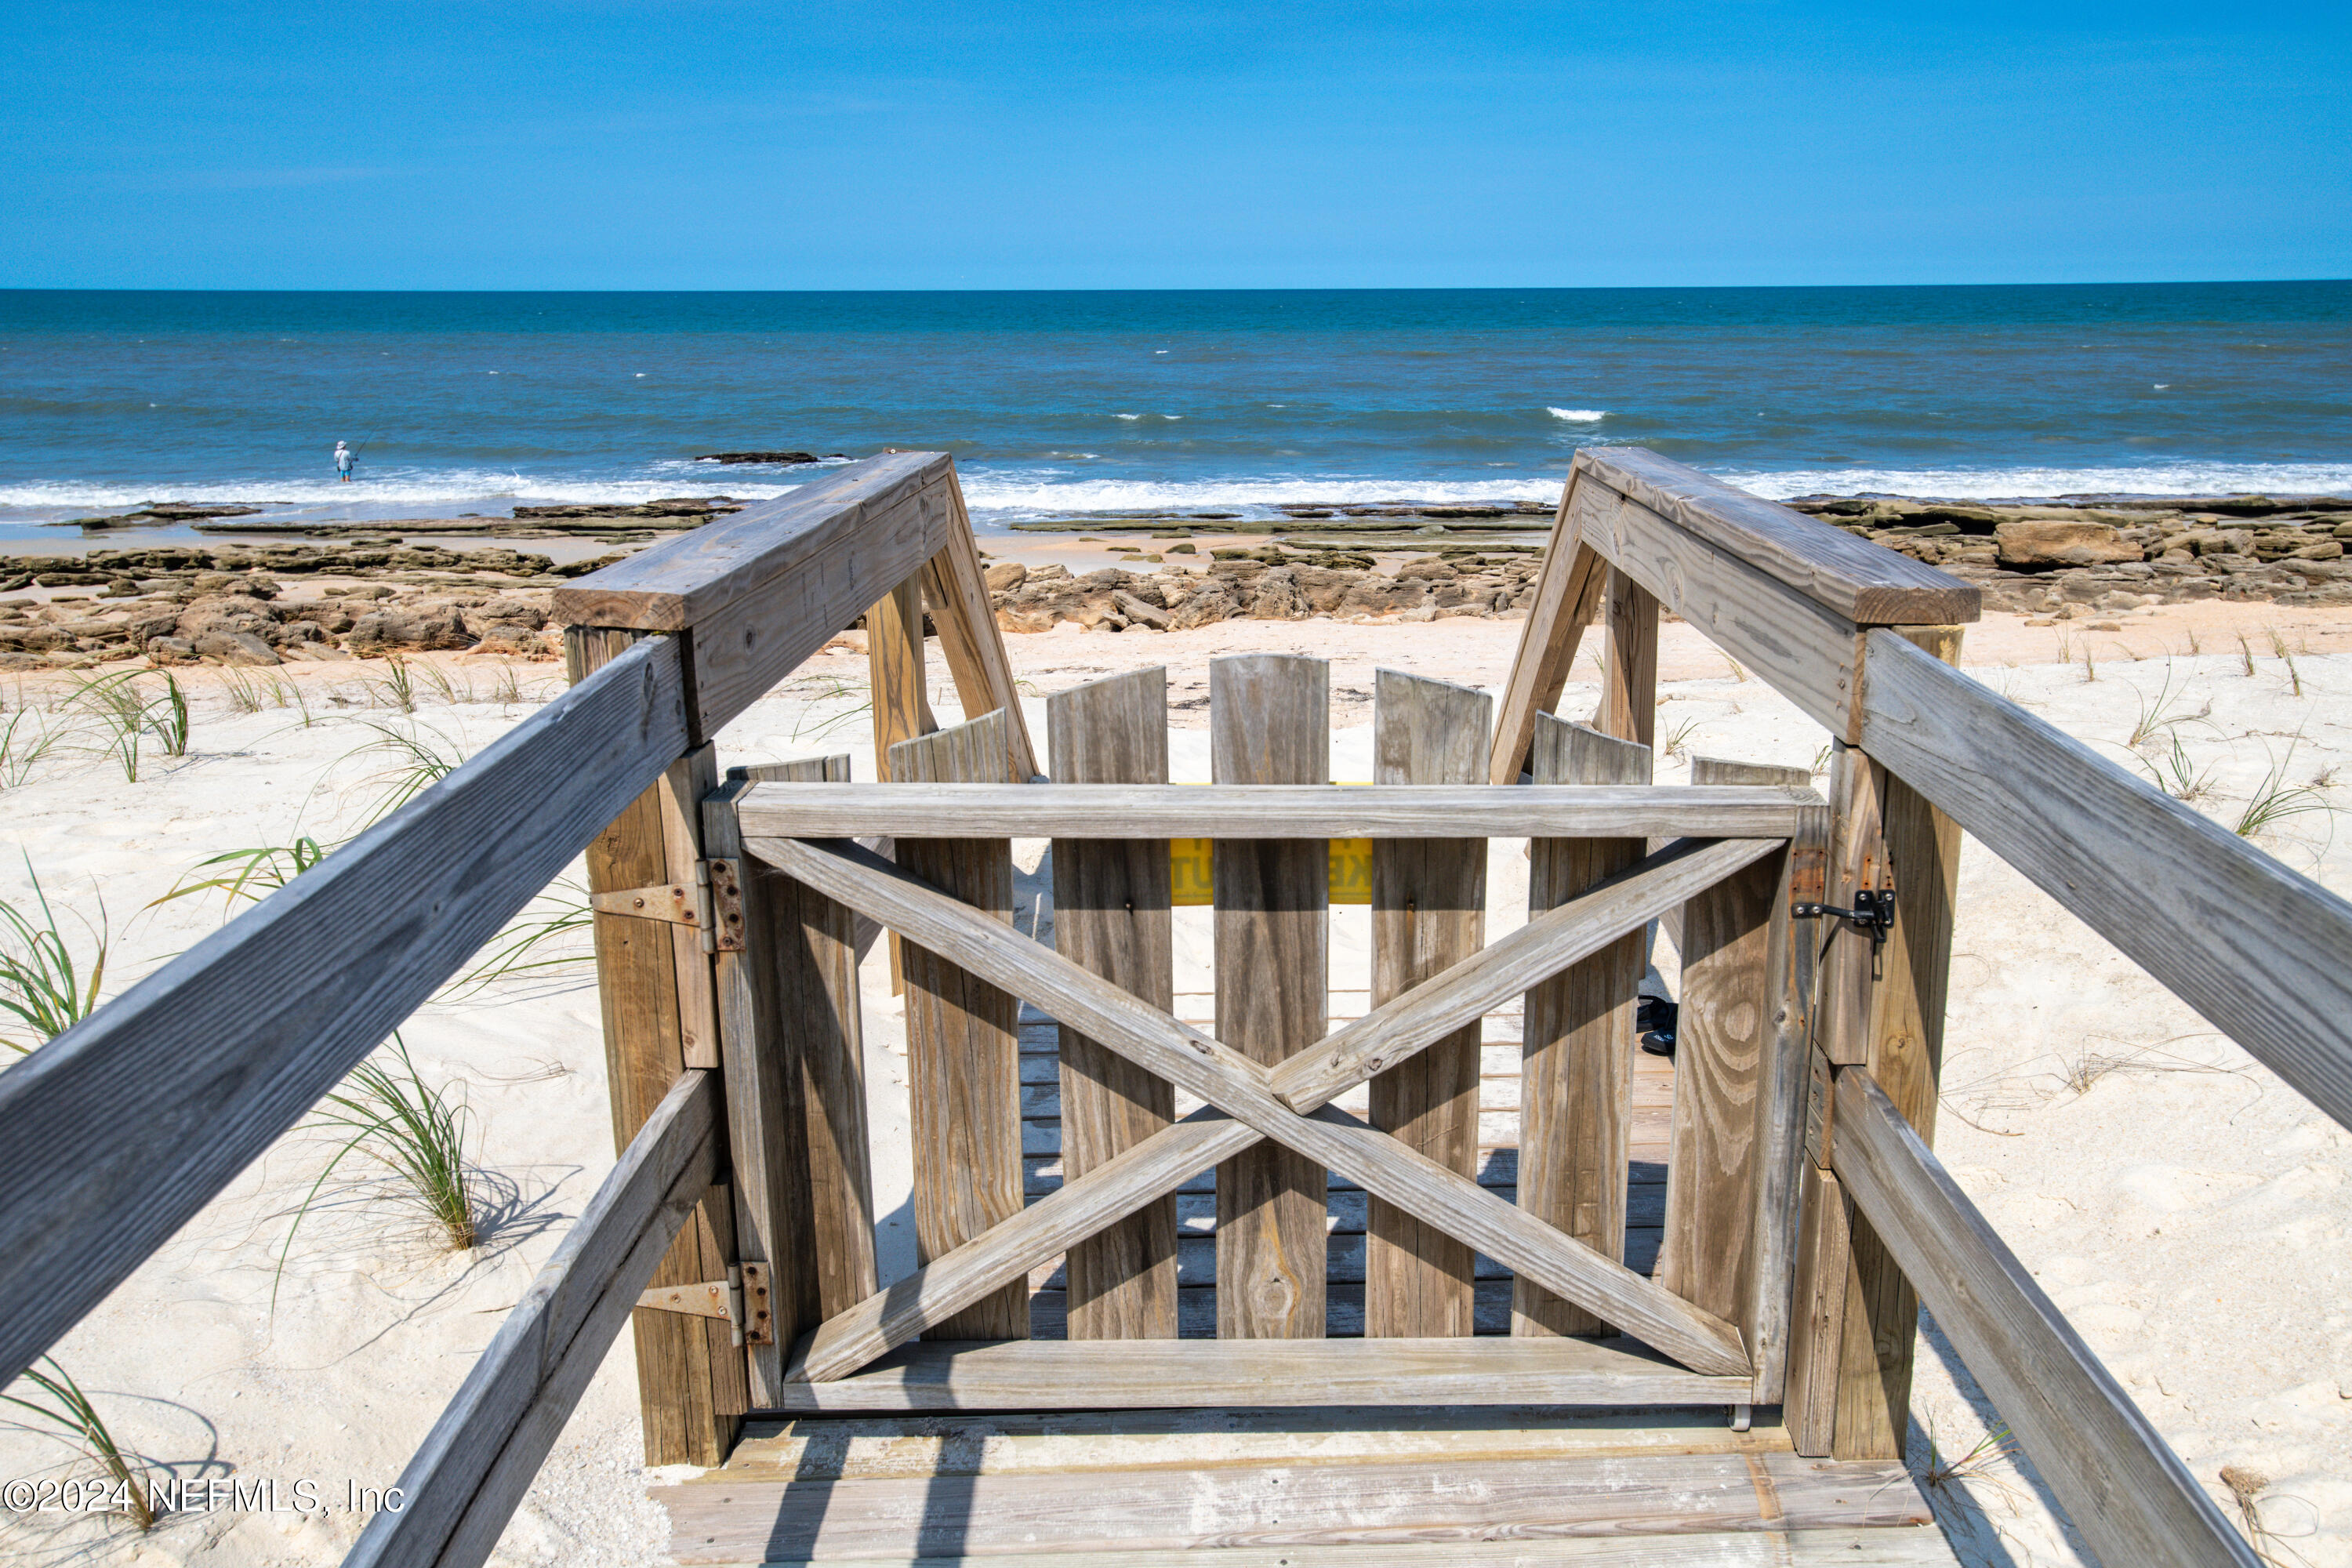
249, 874
2176, 774
25, 739
415, 1133
41, 984
59, 1406
2274, 801
418, 764
398, 688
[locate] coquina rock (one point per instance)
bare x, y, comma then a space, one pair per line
2037, 542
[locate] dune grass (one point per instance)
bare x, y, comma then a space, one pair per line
41, 986
412, 1132
2274, 801
248, 874
126, 716
59, 1406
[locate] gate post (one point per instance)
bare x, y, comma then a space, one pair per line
655, 989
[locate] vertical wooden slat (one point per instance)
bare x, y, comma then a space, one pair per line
1111, 916
811, 961
963, 1052
1577, 1062
691, 1380
1429, 912
1736, 1044
766, 1133
1858, 862
1906, 1034
1817, 1337
896, 682
1269, 722
970, 639
1629, 693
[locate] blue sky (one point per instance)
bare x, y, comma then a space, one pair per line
698, 145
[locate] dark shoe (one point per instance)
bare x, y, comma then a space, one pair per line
1655, 1020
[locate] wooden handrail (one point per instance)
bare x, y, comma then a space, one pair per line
2125, 1490
473, 1467
2256, 948
1269, 811
1852, 577
758, 591
116, 1132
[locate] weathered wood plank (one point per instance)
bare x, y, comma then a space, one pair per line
1306, 1506
1737, 1118
1270, 723
1342, 811
1856, 864
895, 672
1240, 1087
2251, 946
1817, 1328
1111, 916
115, 1134
1429, 911
1921, 849
764, 589
970, 640
1805, 652
813, 963
1629, 686
885, 1443
1567, 590
766, 1116
1515, 965
692, 1380
1171, 1373
963, 1072
2125, 1490
1576, 1043
1834, 1548
463, 1483
1859, 580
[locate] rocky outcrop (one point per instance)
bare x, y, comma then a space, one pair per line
2037, 543
757, 457
1270, 586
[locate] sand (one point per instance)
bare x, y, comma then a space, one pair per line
2189, 1212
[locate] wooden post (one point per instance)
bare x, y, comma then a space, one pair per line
1629, 700
1905, 1034
660, 1013
1270, 722
1111, 916
1809, 1399
1429, 912
1736, 1110
896, 682
800, 1070
1577, 1061
962, 1046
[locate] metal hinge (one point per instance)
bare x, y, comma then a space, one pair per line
741, 1298
723, 882
713, 905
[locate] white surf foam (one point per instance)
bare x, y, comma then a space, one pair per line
1025, 493
1989, 483
1579, 415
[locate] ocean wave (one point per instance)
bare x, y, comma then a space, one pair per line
1579, 415
1029, 493
2206, 479
396, 487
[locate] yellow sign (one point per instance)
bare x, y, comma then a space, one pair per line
1192, 878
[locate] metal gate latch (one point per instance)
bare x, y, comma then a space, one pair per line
1872, 914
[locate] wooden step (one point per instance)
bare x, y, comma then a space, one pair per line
1018, 1374
1910, 1547
1277, 1510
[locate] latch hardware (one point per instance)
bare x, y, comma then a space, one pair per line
741, 1298
1873, 915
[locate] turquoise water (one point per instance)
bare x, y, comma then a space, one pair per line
1074, 402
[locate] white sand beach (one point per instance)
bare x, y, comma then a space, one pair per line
2191, 1215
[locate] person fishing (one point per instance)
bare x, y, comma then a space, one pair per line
343, 461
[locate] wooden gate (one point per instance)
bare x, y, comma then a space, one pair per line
1469, 1274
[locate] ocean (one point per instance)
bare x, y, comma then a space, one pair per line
1069, 403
